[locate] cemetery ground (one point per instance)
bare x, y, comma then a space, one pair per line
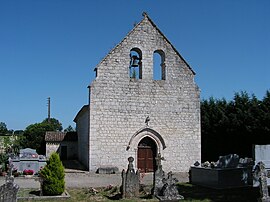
190, 192
85, 186
81, 187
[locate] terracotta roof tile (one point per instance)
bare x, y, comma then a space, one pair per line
56, 136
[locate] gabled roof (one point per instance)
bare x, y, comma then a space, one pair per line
56, 136
82, 110
146, 16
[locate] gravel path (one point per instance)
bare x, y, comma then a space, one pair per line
85, 179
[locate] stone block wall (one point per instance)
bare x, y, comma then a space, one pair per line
51, 147
119, 105
82, 127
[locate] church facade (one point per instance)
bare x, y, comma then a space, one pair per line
132, 112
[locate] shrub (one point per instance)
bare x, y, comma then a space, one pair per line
3, 162
53, 176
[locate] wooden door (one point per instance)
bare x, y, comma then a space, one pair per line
146, 155
145, 159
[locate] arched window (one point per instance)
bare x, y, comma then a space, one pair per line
159, 68
135, 67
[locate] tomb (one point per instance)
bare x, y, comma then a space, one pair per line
28, 159
228, 172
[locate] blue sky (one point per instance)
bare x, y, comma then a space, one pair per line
49, 48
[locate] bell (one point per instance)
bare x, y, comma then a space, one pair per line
134, 61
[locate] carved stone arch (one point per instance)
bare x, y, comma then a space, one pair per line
146, 132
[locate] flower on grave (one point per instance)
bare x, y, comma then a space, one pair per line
28, 172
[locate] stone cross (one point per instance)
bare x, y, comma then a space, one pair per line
158, 161
147, 120
130, 164
10, 169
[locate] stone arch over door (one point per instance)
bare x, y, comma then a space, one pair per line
137, 138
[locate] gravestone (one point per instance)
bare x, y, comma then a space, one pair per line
165, 188
159, 175
169, 191
261, 153
262, 175
9, 190
130, 181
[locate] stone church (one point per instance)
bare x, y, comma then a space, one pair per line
131, 112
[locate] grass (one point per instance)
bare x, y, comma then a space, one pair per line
191, 193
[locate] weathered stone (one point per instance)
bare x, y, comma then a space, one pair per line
114, 122
262, 174
169, 191
228, 161
130, 181
9, 190
261, 153
107, 170
165, 188
159, 175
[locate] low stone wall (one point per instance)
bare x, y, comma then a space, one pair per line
64, 196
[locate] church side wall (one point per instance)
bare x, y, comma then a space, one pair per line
83, 138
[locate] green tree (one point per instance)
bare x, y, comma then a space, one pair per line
69, 129
234, 126
3, 162
53, 176
34, 134
54, 123
3, 128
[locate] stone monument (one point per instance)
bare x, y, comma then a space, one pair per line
262, 175
9, 190
130, 181
169, 191
159, 175
165, 188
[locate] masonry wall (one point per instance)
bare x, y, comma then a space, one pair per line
119, 105
51, 147
82, 127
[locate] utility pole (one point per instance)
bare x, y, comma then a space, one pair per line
49, 109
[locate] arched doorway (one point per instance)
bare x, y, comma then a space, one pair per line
147, 151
